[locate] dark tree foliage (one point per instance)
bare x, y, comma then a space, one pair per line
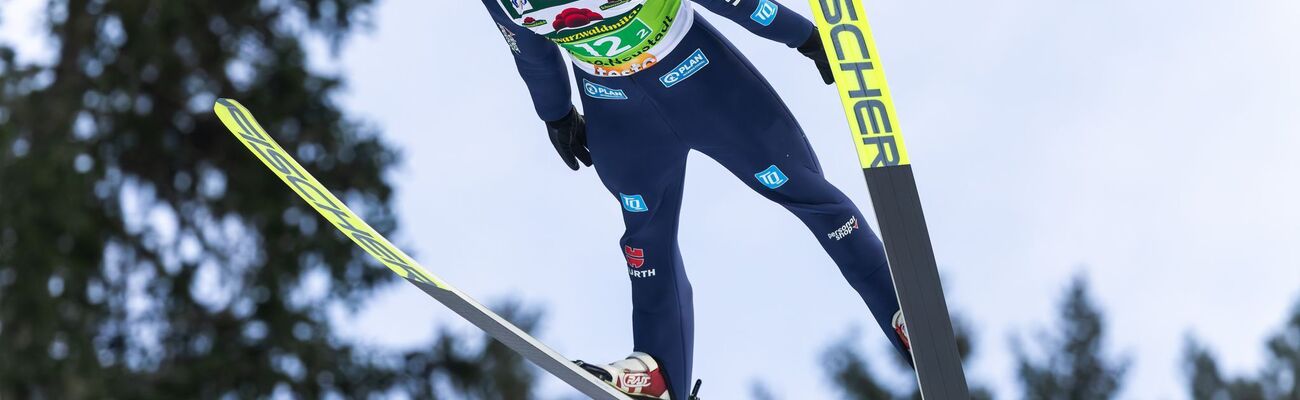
145, 254
1072, 365
1279, 380
851, 373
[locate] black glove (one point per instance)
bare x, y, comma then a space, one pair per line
569, 135
813, 49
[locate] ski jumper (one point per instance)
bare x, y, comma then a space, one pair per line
657, 81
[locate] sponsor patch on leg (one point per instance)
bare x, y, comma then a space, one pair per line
633, 203
694, 63
598, 91
636, 261
772, 177
845, 230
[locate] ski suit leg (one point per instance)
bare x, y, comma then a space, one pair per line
729, 112
642, 162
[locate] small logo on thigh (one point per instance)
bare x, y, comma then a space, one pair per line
633, 203
598, 91
636, 259
845, 230
694, 63
772, 177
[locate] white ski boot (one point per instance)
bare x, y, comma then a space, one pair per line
900, 328
638, 376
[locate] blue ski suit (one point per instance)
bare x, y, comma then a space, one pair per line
705, 96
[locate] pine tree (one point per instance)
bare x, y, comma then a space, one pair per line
851, 373
1279, 379
145, 254
1072, 365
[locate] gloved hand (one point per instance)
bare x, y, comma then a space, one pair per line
569, 135
813, 49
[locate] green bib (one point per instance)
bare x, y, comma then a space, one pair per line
601, 33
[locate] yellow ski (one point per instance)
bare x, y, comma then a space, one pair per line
241, 123
873, 121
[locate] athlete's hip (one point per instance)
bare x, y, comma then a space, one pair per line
704, 65
699, 34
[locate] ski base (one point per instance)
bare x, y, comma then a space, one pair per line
241, 123
916, 279
873, 121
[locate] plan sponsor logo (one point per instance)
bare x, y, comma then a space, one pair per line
636, 259
633, 203
694, 63
597, 91
846, 230
765, 13
772, 177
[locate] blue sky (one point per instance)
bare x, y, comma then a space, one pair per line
1149, 145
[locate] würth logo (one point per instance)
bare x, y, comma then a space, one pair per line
636, 260
635, 256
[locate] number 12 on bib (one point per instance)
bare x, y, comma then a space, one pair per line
865, 95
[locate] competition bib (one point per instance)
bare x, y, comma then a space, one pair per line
606, 37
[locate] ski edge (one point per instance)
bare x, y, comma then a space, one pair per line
240, 122
850, 47
916, 277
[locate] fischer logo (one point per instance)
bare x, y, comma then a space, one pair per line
335, 211
845, 230
636, 380
871, 114
636, 259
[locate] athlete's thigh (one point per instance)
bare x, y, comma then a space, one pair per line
727, 110
637, 155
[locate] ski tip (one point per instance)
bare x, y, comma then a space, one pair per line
223, 101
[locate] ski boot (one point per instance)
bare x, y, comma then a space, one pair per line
900, 328
638, 376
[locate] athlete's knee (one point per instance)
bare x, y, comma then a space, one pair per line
637, 265
797, 185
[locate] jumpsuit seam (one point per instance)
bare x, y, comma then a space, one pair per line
750, 69
676, 248
654, 103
